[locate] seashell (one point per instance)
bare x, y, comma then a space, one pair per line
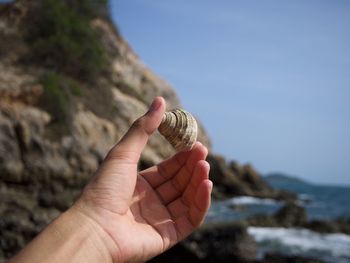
180, 129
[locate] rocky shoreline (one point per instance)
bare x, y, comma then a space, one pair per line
231, 242
223, 243
294, 215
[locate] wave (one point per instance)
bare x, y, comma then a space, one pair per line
249, 200
302, 242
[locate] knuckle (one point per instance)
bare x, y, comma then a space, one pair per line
139, 123
126, 157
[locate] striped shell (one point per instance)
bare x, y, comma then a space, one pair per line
179, 127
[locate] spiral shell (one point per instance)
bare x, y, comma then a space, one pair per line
179, 127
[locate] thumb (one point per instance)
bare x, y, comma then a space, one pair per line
131, 145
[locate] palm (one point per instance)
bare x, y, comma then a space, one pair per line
147, 226
168, 202
146, 213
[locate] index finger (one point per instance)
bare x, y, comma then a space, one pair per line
167, 169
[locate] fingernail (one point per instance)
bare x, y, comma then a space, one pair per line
155, 105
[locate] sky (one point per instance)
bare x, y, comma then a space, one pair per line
269, 80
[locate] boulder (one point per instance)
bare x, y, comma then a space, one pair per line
231, 179
291, 215
227, 242
340, 225
276, 258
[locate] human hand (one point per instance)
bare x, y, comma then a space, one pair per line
143, 214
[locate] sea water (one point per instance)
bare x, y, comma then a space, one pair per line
320, 202
333, 248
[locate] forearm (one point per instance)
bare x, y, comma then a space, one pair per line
72, 237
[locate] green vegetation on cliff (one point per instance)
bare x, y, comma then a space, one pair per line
64, 42
61, 37
57, 99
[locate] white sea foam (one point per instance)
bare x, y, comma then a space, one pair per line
329, 247
248, 200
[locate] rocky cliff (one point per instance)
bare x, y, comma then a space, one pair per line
70, 86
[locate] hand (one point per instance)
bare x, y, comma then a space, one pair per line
143, 214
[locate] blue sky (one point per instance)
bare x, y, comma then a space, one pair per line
270, 80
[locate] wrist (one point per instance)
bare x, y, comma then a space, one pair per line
84, 235
72, 237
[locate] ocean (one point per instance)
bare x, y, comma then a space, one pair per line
320, 202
